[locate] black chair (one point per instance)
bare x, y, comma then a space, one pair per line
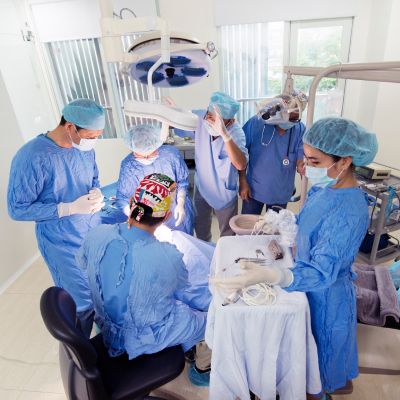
88, 372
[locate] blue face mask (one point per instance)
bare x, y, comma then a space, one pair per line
319, 176
287, 125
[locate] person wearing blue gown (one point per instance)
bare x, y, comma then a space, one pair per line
220, 152
275, 147
331, 227
54, 182
141, 293
150, 156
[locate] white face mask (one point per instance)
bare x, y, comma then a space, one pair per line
210, 129
147, 161
319, 176
84, 144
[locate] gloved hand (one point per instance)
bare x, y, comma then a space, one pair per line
253, 274
87, 204
218, 125
95, 193
127, 210
179, 212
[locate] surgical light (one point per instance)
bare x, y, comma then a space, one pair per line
189, 60
158, 58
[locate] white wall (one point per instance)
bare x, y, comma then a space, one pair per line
386, 113
229, 12
371, 104
23, 78
83, 17
18, 242
25, 110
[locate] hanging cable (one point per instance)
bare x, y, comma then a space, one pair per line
259, 294
126, 9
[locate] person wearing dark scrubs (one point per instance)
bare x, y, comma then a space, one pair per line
275, 147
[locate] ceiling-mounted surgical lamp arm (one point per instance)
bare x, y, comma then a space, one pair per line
112, 32
165, 58
113, 29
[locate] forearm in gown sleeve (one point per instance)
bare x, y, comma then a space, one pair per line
24, 188
95, 181
322, 270
124, 188
184, 293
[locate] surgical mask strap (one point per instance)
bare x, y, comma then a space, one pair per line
76, 131
80, 138
340, 173
331, 166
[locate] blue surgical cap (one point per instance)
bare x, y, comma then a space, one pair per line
85, 113
143, 139
226, 104
343, 138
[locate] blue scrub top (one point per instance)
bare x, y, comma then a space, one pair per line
169, 162
216, 178
270, 181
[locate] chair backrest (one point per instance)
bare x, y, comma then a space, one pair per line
78, 359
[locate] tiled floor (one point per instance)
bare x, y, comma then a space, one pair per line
29, 355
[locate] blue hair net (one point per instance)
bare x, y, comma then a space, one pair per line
143, 139
85, 113
226, 104
343, 138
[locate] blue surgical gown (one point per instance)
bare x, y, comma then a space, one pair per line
42, 175
270, 181
139, 288
332, 225
170, 163
216, 178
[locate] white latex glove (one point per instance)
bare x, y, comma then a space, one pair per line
87, 204
253, 274
218, 125
179, 212
95, 193
127, 210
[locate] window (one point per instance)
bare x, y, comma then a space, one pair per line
253, 55
251, 63
78, 71
320, 44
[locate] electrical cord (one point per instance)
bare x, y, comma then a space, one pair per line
259, 294
121, 11
126, 9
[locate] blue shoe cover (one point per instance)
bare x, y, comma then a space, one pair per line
199, 378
